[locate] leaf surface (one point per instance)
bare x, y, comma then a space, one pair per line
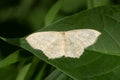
99, 61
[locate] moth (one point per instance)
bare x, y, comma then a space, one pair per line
56, 44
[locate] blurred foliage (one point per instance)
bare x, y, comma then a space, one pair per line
18, 18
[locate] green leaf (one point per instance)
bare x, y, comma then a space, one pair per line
57, 75
63, 77
102, 59
77, 5
32, 68
36, 18
96, 3
52, 12
23, 72
54, 75
41, 73
8, 73
12, 58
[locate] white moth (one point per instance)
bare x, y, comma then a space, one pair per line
56, 44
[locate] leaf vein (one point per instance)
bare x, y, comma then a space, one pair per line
112, 38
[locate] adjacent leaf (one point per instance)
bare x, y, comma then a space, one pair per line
96, 3
54, 75
41, 73
8, 73
36, 18
101, 59
71, 6
63, 77
12, 58
52, 12
32, 68
23, 72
